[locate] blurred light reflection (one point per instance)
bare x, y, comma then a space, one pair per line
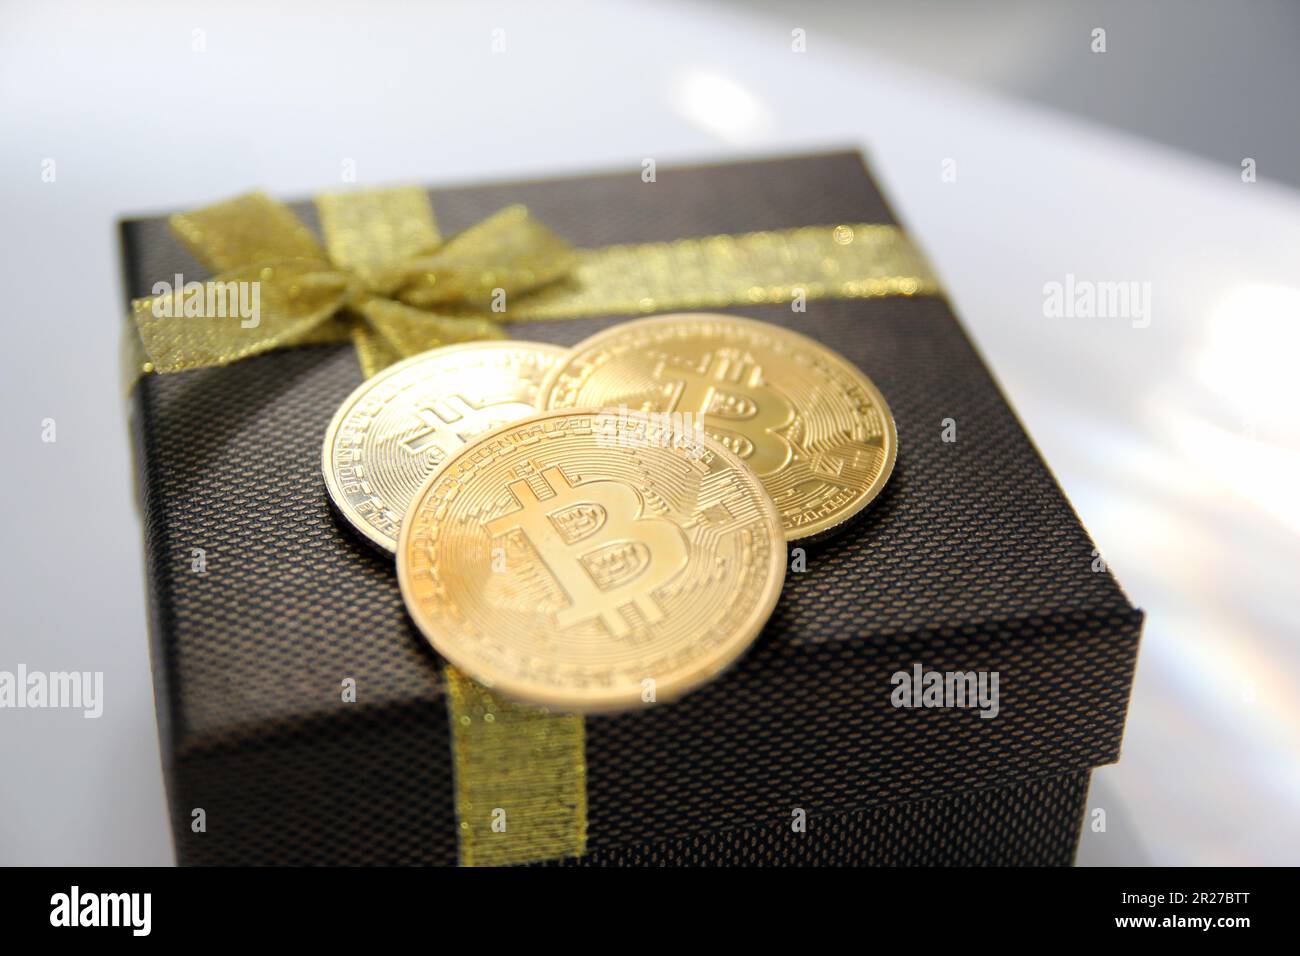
719, 105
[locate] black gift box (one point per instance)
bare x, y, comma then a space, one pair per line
971, 560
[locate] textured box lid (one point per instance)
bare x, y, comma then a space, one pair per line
972, 559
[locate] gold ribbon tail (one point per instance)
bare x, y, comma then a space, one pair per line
521, 792
521, 778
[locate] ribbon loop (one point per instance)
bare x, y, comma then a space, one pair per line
510, 253
407, 331
372, 232
238, 314
244, 230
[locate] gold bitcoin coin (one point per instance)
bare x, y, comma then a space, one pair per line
587, 561
393, 431
810, 424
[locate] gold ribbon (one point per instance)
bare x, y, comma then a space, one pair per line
388, 282
521, 778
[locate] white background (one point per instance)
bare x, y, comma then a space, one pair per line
1178, 443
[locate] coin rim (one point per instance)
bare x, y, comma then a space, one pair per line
808, 533
699, 674
332, 486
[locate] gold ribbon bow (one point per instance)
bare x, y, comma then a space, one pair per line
387, 280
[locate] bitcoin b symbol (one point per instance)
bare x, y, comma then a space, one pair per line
599, 547
739, 409
447, 423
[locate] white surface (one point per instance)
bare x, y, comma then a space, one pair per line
1178, 443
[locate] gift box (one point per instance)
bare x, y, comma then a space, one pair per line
303, 720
